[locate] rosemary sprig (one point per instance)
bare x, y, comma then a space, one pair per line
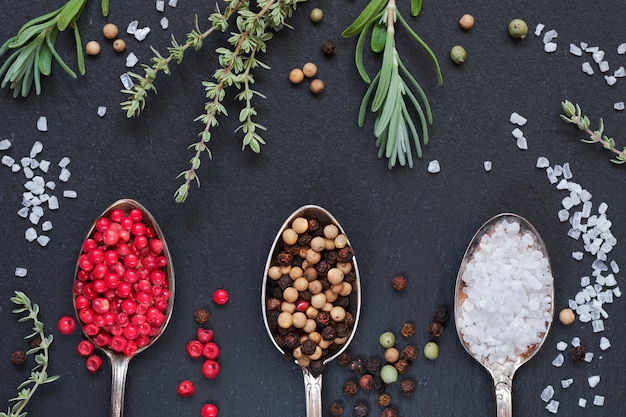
33, 48
39, 374
254, 23
394, 126
573, 114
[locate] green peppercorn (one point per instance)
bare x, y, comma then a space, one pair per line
431, 350
458, 54
387, 340
389, 374
518, 29
316, 15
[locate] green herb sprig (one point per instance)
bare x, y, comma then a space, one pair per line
39, 374
393, 84
254, 24
573, 114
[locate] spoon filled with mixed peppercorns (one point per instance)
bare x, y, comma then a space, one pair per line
123, 288
311, 295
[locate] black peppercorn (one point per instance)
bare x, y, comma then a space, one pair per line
378, 385
344, 359
272, 320
306, 295
329, 47
441, 315
578, 353
409, 353
35, 342
342, 301
399, 282
407, 387
349, 320
273, 304
435, 330
291, 341
384, 400
330, 257
373, 365
323, 318
292, 249
344, 254
402, 366
18, 358
308, 347
328, 333
316, 368
389, 412
322, 267
342, 330
407, 330
361, 409
350, 388
315, 228
336, 409
356, 365
304, 239
284, 258
202, 315
285, 282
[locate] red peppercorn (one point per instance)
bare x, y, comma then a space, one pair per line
131, 348
208, 410
118, 343
195, 349
220, 296
103, 224
93, 363
117, 215
66, 325
204, 335
210, 369
186, 388
211, 350
85, 348
136, 215
156, 246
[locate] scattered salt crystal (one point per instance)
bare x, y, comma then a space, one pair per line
5, 144
7, 160
577, 255
620, 72
550, 47
433, 167
584, 45
597, 326
43, 240
53, 203
46, 226
575, 50
127, 82
598, 400
610, 80
517, 119
604, 66
610, 280
592, 49
164, 23
34, 164
549, 36
586, 67
30, 234
132, 27
15, 168
21, 272
558, 361
593, 380
562, 185
582, 403
140, 34
131, 60
64, 162
23, 212
36, 149
604, 343
172, 3
102, 111
25, 161
558, 170
553, 406
65, 174
44, 165
51, 185
598, 264
614, 267
551, 175
42, 124
619, 105
522, 143
539, 28
561, 346
567, 171
566, 383
487, 165
575, 341
542, 162
621, 48
567, 203
617, 292
34, 218
160, 5
585, 281
598, 56
69, 194
588, 357
602, 208
547, 393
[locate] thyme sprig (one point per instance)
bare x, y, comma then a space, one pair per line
39, 374
253, 23
393, 84
573, 114
33, 48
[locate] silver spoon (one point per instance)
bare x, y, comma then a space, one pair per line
119, 362
502, 374
313, 383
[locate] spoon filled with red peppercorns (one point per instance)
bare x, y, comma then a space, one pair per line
123, 288
311, 295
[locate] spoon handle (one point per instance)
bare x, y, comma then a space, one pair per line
119, 368
504, 402
313, 393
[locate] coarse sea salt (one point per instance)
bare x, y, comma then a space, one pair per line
508, 285
5, 144
619, 105
550, 47
434, 167
547, 393
165, 23
160, 5
604, 343
102, 111
522, 143
487, 165
553, 406
542, 162
582, 403
127, 82
42, 124
575, 50
21, 272
131, 60
621, 48
593, 381
598, 400
586, 67
517, 119
566, 383
539, 28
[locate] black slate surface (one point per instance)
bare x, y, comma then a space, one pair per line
399, 220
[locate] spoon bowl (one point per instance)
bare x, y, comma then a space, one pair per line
312, 375
120, 361
502, 371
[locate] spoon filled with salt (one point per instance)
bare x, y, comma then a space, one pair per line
504, 300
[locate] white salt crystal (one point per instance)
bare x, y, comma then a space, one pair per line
620, 72
604, 343
588, 357
592, 49
597, 326
598, 400
15, 168
37, 147
585, 281
46, 226
619, 105
598, 56
539, 29
553, 406
131, 60
25, 161
597, 264
586, 211
549, 36
7, 160
43, 240
614, 267
28, 173
582, 403
164, 23
562, 185
44, 165
517, 133
64, 162
575, 50
617, 292
53, 203
561, 346
558, 170
566, 383
140, 34
522, 143
34, 164
34, 218
51, 185
551, 175
65, 174
127, 82
577, 255
567, 203
610, 281
610, 80
550, 47
132, 27
102, 111
567, 171
585, 195
558, 361
69, 194
593, 380
160, 5
433, 167
584, 45
621, 48
23, 212
30, 234
547, 393
586, 67
42, 124
487, 166
20, 272
575, 341
5, 144
602, 208
604, 66
172, 3
542, 162
517, 119
574, 233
